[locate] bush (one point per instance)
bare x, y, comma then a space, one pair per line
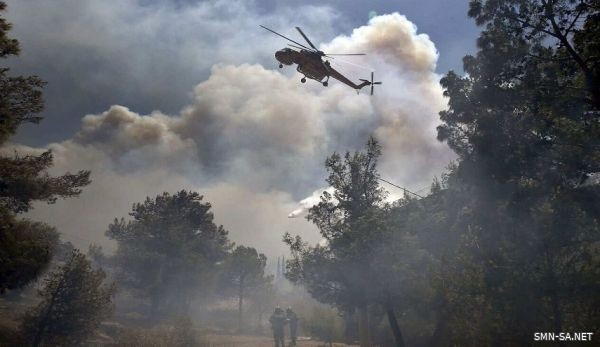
324, 324
75, 300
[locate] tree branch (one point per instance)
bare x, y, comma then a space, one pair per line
563, 39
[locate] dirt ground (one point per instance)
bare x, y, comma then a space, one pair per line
11, 312
257, 341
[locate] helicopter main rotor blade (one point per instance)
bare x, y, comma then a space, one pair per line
338, 59
306, 38
296, 46
287, 38
345, 53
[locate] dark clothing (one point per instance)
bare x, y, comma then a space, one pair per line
277, 323
292, 319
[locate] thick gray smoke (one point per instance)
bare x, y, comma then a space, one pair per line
146, 54
253, 140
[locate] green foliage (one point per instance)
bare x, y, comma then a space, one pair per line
169, 247
558, 34
324, 324
20, 97
263, 297
349, 220
352, 222
75, 299
244, 267
97, 256
25, 179
507, 243
25, 247
524, 122
244, 271
9, 46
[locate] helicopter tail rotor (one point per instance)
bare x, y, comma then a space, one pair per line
372, 83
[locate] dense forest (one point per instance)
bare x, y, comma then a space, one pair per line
505, 244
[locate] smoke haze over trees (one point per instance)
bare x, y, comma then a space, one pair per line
169, 248
509, 238
75, 299
504, 243
244, 271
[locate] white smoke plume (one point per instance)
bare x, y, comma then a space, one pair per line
306, 203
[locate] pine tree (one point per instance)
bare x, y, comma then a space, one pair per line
170, 250
524, 123
243, 271
25, 247
75, 300
351, 220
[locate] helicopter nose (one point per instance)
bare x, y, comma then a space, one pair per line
283, 57
279, 55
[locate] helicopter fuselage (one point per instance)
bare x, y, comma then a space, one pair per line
312, 66
309, 63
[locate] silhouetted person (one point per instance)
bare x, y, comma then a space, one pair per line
278, 323
292, 319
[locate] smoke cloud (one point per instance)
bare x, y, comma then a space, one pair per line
253, 140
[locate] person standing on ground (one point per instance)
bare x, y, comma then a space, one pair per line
278, 320
292, 319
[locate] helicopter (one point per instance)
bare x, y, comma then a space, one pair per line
311, 64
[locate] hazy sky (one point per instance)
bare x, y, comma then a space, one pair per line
150, 54
163, 95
